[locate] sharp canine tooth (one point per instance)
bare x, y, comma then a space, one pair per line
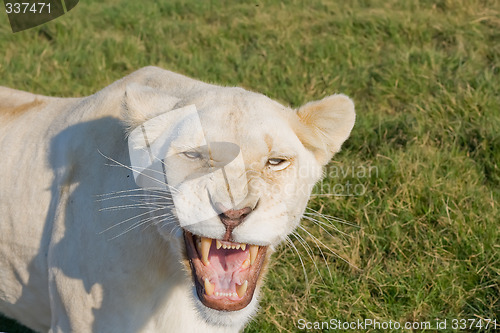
253, 253
209, 287
205, 249
243, 247
241, 290
218, 244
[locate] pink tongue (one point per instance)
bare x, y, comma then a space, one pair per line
226, 265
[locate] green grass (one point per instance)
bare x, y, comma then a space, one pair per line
425, 78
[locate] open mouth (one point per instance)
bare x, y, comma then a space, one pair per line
225, 273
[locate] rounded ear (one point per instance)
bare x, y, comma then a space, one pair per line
141, 103
325, 125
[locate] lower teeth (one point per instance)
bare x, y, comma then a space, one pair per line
226, 294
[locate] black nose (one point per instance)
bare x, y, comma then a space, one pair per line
231, 218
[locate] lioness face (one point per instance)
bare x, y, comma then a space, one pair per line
239, 168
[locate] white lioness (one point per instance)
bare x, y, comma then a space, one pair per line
86, 245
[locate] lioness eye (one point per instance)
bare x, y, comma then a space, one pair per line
278, 163
192, 154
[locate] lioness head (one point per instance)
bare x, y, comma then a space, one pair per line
238, 168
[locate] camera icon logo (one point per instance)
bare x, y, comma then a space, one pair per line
161, 157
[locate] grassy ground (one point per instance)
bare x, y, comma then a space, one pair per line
425, 150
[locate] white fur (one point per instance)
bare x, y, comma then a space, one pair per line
60, 272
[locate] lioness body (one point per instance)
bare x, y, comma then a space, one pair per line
61, 268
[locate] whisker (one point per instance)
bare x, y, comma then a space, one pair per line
129, 219
132, 190
315, 240
332, 218
140, 203
333, 252
321, 223
138, 195
138, 224
121, 207
167, 222
309, 251
161, 218
132, 169
290, 244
